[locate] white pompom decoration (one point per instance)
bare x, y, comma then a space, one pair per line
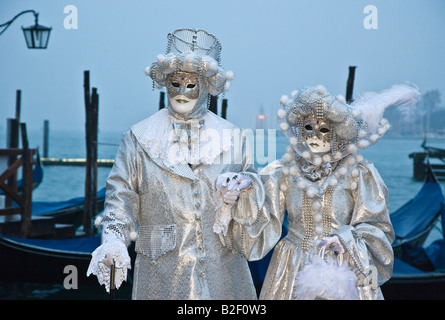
374, 137
98, 221
362, 134
133, 235
350, 160
301, 184
342, 171
287, 157
338, 156
352, 148
284, 126
147, 71
319, 230
285, 171
189, 58
119, 215
230, 75
316, 205
356, 113
281, 113
341, 98
311, 192
381, 131
363, 143
333, 181
327, 158
293, 170
284, 99
160, 58
321, 90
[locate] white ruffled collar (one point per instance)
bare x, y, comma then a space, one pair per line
173, 142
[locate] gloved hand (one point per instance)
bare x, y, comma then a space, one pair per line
107, 254
332, 243
231, 185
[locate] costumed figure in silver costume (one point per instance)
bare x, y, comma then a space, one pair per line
337, 202
183, 186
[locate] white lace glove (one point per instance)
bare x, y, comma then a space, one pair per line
228, 187
108, 253
332, 243
231, 184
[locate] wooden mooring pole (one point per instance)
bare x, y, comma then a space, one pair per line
350, 85
224, 109
161, 100
213, 106
26, 183
12, 141
91, 108
45, 138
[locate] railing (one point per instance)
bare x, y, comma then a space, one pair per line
8, 182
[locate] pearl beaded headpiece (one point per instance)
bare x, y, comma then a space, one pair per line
355, 126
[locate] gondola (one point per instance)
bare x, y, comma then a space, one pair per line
67, 211
414, 221
419, 271
51, 261
52, 219
419, 274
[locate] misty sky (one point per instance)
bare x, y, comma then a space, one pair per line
273, 47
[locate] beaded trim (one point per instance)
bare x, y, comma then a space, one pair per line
308, 216
308, 222
327, 210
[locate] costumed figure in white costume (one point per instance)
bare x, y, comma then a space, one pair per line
183, 186
336, 201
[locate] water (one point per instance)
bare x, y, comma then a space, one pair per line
390, 156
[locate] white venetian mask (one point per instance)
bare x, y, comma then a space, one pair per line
317, 134
183, 91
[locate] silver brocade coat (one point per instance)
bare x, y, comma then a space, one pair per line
355, 209
173, 209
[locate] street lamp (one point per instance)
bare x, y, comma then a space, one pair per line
36, 36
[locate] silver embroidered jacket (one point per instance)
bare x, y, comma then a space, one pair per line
172, 208
355, 208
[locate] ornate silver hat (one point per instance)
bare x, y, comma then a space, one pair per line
194, 51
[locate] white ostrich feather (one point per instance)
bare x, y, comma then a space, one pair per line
325, 278
372, 105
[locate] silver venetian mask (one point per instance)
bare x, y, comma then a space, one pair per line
183, 83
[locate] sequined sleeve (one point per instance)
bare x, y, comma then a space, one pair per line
122, 201
255, 240
369, 235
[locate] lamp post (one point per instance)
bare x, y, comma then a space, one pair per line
36, 36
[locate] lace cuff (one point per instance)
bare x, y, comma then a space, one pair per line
100, 268
223, 211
